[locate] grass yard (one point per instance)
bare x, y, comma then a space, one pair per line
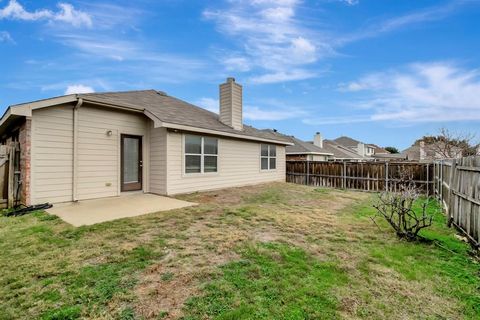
276, 251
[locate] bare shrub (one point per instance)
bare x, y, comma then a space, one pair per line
397, 208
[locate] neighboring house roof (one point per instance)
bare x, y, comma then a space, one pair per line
392, 156
299, 146
379, 150
341, 152
346, 141
164, 110
303, 147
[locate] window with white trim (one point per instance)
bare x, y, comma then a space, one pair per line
268, 157
201, 154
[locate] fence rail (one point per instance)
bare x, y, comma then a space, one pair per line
455, 183
457, 186
366, 176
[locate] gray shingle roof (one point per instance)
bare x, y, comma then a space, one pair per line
172, 110
346, 141
302, 147
340, 151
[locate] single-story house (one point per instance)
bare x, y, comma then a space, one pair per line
85, 146
303, 150
320, 149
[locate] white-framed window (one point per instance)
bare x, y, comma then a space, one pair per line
201, 154
268, 157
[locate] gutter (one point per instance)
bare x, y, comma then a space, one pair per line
75, 148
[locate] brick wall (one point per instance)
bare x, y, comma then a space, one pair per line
25, 138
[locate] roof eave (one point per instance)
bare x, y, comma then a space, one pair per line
219, 133
310, 152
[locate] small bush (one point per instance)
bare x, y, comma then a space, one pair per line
400, 209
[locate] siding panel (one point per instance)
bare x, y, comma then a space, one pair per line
238, 164
52, 154
98, 154
158, 160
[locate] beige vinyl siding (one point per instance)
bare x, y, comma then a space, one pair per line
52, 154
315, 157
238, 165
158, 160
99, 154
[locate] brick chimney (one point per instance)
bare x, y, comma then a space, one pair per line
318, 140
231, 104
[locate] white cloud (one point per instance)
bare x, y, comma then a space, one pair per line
237, 64
269, 40
256, 113
6, 37
66, 13
422, 92
280, 112
282, 76
351, 2
78, 88
209, 103
376, 29
69, 14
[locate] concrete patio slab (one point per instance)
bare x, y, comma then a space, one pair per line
88, 212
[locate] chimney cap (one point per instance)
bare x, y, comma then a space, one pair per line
230, 79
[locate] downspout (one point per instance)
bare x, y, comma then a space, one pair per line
75, 149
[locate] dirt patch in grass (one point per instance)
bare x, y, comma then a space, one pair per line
237, 241
232, 218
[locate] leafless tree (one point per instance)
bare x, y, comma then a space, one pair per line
397, 208
449, 144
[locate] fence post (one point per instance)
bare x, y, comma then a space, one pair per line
440, 190
428, 180
344, 175
453, 168
308, 172
386, 176
11, 174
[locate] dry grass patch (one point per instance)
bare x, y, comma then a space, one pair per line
276, 250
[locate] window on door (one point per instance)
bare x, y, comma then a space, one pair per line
131, 162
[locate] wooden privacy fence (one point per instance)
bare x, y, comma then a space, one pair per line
9, 174
366, 176
457, 186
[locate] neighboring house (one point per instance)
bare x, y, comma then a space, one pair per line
85, 146
320, 150
378, 150
302, 150
421, 151
362, 149
342, 153
371, 151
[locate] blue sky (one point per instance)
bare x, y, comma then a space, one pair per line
384, 72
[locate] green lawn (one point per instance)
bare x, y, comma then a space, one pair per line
277, 251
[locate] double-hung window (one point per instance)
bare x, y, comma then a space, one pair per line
268, 156
201, 154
